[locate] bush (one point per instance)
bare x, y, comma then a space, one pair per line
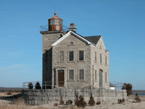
9, 93
81, 103
76, 101
61, 101
30, 85
37, 86
69, 102
128, 88
91, 101
137, 98
98, 103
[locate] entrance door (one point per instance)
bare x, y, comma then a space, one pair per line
60, 78
100, 79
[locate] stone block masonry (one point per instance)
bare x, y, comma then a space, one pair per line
44, 96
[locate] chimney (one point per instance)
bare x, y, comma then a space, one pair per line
72, 27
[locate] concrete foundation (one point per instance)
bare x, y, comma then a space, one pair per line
44, 96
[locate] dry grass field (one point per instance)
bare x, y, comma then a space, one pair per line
20, 104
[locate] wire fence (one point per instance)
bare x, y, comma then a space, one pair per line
73, 85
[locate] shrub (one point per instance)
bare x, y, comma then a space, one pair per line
128, 88
81, 103
37, 86
76, 101
98, 103
69, 102
30, 85
9, 93
91, 101
55, 104
61, 101
137, 98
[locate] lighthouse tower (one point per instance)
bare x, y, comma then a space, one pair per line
54, 32
55, 23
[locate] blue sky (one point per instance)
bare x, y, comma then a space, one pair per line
120, 22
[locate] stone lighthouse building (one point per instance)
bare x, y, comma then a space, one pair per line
72, 60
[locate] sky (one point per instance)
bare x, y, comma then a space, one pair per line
120, 22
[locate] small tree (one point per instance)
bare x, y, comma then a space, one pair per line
37, 86
30, 85
128, 88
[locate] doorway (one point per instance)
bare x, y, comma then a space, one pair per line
60, 78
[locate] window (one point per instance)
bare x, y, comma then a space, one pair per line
61, 56
81, 74
105, 60
81, 55
71, 43
71, 74
71, 55
95, 56
106, 76
95, 74
101, 58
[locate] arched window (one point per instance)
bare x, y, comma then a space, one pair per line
71, 43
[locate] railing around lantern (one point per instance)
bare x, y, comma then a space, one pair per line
46, 28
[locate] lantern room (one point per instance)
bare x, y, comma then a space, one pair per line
55, 23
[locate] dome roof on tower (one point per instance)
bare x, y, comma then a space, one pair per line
55, 17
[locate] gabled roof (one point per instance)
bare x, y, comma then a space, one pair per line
93, 39
69, 33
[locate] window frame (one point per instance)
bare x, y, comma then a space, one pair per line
106, 60
83, 55
101, 59
83, 75
69, 75
95, 75
60, 55
105, 76
69, 56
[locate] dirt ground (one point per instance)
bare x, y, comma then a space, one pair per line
19, 104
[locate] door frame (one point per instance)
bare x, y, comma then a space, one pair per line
60, 71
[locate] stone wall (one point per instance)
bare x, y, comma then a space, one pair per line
44, 96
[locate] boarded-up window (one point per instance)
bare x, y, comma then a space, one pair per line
106, 76
71, 55
101, 58
61, 56
81, 74
105, 60
71, 74
95, 74
95, 56
81, 55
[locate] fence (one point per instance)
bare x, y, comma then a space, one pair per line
74, 85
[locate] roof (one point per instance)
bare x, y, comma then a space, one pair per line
93, 39
55, 17
67, 34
